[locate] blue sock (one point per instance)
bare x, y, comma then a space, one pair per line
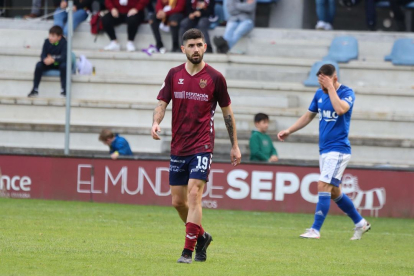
322, 209
347, 206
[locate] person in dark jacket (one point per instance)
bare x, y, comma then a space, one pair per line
80, 13
261, 145
53, 56
117, 144
199, 12
131, 12
168, 12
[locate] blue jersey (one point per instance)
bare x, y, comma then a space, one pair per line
120, 145
333, 129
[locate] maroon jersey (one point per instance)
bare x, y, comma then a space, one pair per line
194, 102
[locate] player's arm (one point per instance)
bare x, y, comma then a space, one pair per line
299, 124
341, 107
159, 113
235, 155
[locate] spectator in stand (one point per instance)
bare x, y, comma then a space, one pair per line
117, 144
168, 12
199, 12
240, 23
131, 12
80, 8
53, 57
325, 10
36, 7
261, 145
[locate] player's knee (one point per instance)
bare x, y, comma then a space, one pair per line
178, 203
324, 187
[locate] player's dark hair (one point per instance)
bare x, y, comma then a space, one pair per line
260, 117
57, 30
193, 34
327, 70
105, 135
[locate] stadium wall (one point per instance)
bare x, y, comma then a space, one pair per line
253, 187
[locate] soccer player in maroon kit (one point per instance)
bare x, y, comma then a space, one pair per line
195, 88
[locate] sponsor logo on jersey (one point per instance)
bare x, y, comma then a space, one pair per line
179, 95
320, 100
180, 81
203, 83
327, 115
191, 96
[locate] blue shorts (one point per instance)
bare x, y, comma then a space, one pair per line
196, 166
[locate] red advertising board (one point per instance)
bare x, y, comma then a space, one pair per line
275, 188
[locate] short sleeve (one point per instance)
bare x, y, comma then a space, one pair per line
349, 97
314, 104
221, 93
166, 88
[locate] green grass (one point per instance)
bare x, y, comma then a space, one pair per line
76, 238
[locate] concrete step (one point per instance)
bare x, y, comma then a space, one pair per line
270, 69
138, 91
104, 113
243, 93
261, 41
85, 139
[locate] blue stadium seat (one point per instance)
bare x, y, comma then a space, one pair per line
56, 73
312, 78
258, 1
383, 4
402, 52
396, 45
343, 49
386, 4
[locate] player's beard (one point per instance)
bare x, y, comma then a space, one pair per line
195, 61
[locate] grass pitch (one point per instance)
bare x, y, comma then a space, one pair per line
77, 238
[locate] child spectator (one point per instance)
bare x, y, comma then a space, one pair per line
168, 12
240, 23
261, 145
131, 12
325, 10
53, 57
80, 8
117, 144
199, 12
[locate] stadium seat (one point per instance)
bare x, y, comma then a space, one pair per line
402, 52
312, 78
386, 4
343, 49
56, 73
396, 45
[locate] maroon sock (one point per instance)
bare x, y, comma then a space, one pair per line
192, 230
201, 231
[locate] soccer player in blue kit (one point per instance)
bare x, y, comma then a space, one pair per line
334, 103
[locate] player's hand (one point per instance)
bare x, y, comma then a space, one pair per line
273, 158
115, 13
63, 5
325, 81
132, 12
154, 131
235, 156
283, 135
197, 13
114, 155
